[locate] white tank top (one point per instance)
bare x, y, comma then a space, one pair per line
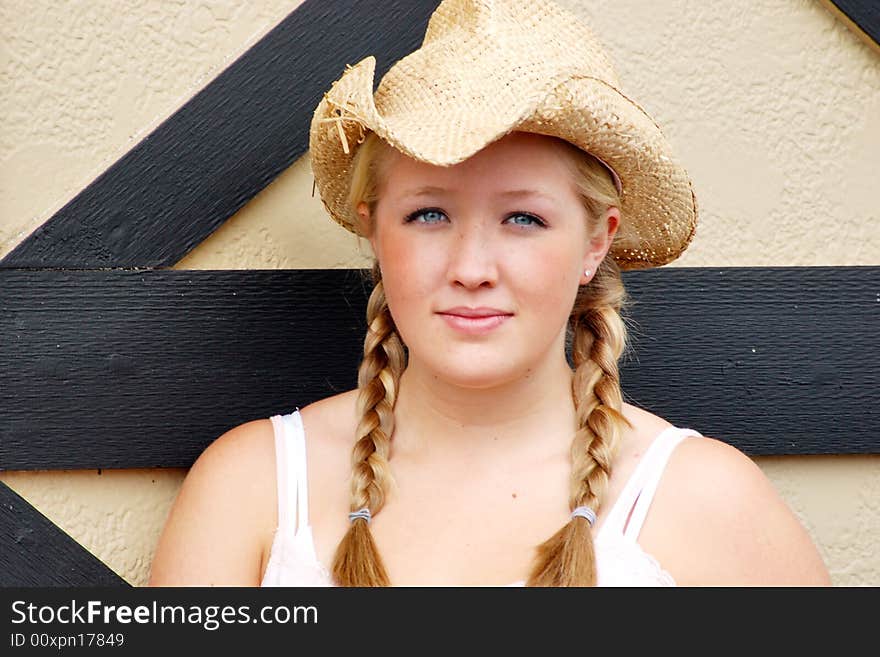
620, 560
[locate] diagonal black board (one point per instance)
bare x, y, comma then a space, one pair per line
35, 552
124, 369
221, 148
864, 14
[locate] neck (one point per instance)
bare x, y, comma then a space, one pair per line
436, 417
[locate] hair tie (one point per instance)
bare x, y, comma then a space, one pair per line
360, 513
584, 512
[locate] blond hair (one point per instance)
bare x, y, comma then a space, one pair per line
596, 339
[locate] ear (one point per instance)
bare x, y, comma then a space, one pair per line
600, 241
364, 223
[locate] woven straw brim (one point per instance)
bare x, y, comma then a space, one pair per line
658, 207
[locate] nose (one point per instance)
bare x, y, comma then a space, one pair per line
472, 258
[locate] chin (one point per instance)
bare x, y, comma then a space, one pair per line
480, 375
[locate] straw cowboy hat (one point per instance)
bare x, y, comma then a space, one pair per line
490, 67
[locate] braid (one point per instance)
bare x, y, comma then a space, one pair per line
357, 561
599, 336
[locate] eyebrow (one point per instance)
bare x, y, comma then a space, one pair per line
523, 193
423, 191
429, 190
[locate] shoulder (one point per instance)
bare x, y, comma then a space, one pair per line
239, 466
250, 442
718, 520
227, 498
335, 412
236, 467
241, 461
330, 424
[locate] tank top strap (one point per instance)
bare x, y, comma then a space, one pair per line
631, 508
291, 474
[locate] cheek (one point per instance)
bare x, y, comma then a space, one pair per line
550, 275
407, 272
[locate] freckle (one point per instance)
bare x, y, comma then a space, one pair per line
513, 495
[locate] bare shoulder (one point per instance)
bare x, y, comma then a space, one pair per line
644, 428
226, 499
718, 520
333, 417
245, 445
330, 430
243, 457
330, 425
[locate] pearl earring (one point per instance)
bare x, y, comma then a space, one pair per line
587, 273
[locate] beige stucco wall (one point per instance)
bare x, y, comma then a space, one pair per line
773, 105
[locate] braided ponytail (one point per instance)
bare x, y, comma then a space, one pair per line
599, 337
357, 561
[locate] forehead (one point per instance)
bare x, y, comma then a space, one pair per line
516, 160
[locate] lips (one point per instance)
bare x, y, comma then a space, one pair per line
474, 321
464, 311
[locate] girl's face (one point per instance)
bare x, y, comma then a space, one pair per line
481, 261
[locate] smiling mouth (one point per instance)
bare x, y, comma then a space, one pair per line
466, 311
474, 324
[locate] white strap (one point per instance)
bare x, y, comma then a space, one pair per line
298, 442
650, 466
654, 468
290, 469
281, 470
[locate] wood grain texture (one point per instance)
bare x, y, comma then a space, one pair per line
861, 16
35, 552
116, 368
202, 164
772, 360
123, 369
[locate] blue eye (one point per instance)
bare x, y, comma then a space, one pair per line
525, 219
426, 216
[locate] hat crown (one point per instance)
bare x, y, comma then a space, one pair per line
498, 54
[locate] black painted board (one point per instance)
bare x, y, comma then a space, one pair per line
864, 15
109, 369
772, 360
116, 369
221, 148
36, 552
